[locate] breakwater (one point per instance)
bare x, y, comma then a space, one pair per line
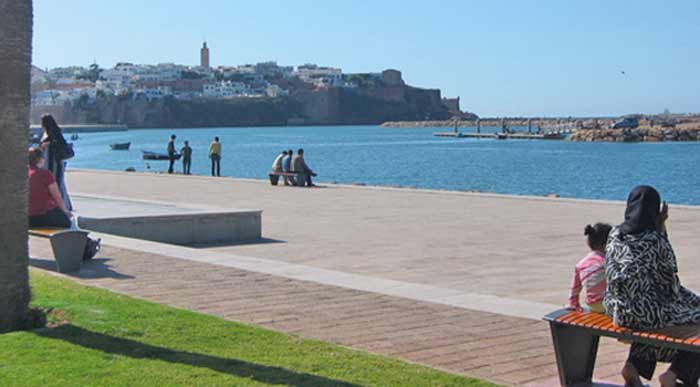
642, 134
504, 136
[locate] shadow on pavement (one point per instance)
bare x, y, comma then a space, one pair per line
92, 269
261, 241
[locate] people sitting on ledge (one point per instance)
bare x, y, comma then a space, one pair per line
46, 207
277, 164
304, 173
278, 167
287, 167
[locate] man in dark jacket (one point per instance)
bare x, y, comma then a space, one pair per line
303, 171
186, 153
171, 153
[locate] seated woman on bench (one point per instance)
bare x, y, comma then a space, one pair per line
644, 291
46, 207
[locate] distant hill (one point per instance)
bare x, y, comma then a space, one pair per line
373, 102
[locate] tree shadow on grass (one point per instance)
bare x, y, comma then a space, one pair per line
137, 350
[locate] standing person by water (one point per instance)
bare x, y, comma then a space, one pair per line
287, 167
304, 172
215, 156
46, 207
186, 153
171, 152
56, 152
644, 291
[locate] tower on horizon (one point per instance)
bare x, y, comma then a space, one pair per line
204, 56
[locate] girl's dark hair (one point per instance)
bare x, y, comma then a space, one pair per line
50, 126
597, 235
35, 154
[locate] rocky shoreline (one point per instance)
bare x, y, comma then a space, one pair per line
641, 134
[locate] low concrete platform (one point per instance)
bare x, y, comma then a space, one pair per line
167, 223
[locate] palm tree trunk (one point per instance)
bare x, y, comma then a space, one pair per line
15, 69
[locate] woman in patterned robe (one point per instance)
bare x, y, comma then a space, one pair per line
644, 291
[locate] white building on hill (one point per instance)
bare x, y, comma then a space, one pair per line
225, 90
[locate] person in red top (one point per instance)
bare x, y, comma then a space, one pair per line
46, 207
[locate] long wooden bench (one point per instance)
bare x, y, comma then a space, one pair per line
68, 246
275, 176
576, 336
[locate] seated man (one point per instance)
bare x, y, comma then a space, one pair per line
287, 167
304, 172
277, 164
46, 207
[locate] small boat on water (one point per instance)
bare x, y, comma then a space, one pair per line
157, 156
120, 146
74, 137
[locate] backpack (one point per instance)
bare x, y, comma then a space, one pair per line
65, 151
92, 247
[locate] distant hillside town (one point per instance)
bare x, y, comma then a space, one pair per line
266, 93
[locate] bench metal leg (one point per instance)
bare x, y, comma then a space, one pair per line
68, 249
576, 351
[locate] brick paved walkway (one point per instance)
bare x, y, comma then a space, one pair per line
507, 350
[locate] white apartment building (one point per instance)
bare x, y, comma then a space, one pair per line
272, 68
47, 98
225, 89
122, 73
275, 91
65, 72
320, 76
154, 93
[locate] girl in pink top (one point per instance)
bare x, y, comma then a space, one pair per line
590, 271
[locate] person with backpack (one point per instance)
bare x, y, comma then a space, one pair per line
56, 151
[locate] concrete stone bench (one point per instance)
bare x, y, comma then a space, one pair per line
186, 228
576, 334
68, 246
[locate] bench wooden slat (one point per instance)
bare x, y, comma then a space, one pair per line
567, 318
685, 335
596, 322
46, 232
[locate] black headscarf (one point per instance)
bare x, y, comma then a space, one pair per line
642, 213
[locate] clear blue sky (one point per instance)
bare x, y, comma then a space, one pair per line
545, 57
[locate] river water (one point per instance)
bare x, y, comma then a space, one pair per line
413, 157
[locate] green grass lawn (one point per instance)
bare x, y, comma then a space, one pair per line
101, 338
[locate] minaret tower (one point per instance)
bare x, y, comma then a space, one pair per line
204, 56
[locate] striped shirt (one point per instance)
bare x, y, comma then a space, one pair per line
589, 274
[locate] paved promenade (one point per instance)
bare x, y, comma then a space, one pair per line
452, 280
